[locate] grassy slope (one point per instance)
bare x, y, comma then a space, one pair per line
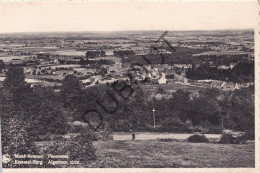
171, 154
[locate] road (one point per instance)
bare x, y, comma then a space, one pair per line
123, 136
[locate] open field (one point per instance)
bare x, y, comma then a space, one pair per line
68, 52
9, 58
171, 154
233, 52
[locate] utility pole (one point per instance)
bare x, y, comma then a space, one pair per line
153, 117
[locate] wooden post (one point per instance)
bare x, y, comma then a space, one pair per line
153, 117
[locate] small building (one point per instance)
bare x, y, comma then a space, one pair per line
162, 79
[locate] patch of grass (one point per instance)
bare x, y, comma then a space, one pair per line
153, 153
158, 154
167, 140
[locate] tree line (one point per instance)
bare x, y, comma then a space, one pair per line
242, 72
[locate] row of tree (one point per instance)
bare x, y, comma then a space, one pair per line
95, 53
242, 72
123, 53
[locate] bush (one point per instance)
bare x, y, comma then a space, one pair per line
16, 140
231, 139
77, 148
82, 147
46, 117
121, 126
174, 125
198, 139
104, 133
250, 134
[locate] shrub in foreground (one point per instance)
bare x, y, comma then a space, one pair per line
104, 133
198, 139
250, 134
231, 139
77, 148
16, 140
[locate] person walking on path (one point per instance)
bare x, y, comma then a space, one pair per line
133, 134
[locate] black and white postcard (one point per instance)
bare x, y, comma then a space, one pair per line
170, 85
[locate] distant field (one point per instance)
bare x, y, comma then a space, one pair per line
68, 52
9, 58
229, 52
64, 66
2, 78
37, 49
42, 77
141, 154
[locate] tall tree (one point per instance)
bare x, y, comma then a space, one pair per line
71, 91
15, 78
15, 83
179, 103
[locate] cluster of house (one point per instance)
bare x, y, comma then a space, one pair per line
59, 71
16, 52
106, 73
229, 47
159, 74
223, 85
56, 57
39, 71
231, 86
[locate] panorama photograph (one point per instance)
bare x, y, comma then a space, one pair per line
141, 98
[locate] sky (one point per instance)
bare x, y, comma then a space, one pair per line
126, 15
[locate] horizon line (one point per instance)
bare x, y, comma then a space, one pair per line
100, 31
